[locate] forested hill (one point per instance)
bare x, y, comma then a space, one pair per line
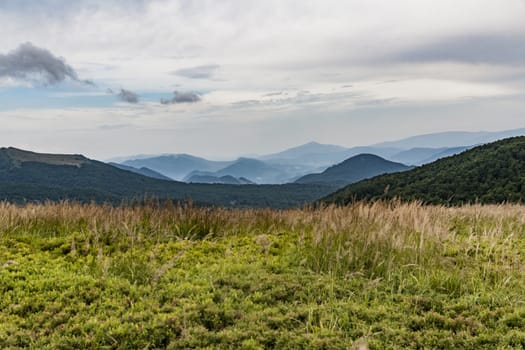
491, 173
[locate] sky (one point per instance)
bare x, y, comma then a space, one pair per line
227, 78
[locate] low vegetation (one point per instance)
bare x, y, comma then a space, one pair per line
368, 276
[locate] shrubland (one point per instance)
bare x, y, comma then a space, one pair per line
384, 275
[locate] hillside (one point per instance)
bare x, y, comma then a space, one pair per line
28, 176
354, 169
491, 173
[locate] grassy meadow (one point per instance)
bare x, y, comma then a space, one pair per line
368, 276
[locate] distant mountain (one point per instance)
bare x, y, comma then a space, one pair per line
28, 176
142, 171
227, 180
176, 166
451, 139
315, 155
305, 150
293, 163
254, 169
354, 169
492, 173
421, 155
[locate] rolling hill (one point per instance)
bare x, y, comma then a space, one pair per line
28, 176
492, 173
354, 169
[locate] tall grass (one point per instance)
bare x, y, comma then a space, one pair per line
378, 240
454, 250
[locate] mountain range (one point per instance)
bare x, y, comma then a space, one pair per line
312, 158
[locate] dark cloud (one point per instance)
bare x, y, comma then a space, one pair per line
31, 63
491, 49
199, 72
182, 97
128, 96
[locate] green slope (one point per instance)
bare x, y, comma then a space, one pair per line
492, 173
28, 176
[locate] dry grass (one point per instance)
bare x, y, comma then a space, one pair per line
374, 239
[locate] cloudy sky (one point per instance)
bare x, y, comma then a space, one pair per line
227, 78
